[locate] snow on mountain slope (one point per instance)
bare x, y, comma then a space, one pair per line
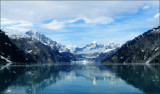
14, 34
71, 48
34, 35
94, 50
95, 47
10, 52
40, 37
47, 41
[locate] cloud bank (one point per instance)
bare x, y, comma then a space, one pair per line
87, 19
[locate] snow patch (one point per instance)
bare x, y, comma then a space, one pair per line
108, 50
156, 48
152, 57
7, 65
8, 90
29, 51
94, 42
5, 59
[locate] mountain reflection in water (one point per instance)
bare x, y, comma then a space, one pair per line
128, 78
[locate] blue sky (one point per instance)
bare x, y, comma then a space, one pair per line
78, 23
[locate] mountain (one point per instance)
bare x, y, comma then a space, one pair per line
47, 41
105, 55
144, 48
9, 52
39, 51
40, 47
96, 47
94, 50
34, 35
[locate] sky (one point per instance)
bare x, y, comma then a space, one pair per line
78, 23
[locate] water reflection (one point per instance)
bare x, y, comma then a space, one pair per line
80, 79
144, 77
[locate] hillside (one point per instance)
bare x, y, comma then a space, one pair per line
144, 48
9, 52
39, 51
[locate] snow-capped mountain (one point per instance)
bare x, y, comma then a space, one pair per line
9, 52
95, 47
40, 47
90, 51
14, 34
34, 35
94, 50
47, 41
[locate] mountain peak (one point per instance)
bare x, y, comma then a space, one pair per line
13, 34
31, 32
94, 42
45, 40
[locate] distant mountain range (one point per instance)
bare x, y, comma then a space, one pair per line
96, 51
144, 48
44, 49
96, 47
32, 46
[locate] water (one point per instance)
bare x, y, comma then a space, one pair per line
71, 79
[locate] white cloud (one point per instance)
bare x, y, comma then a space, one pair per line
157, 15
13, 28
146, 7
15, 25
98, 20
6, 22
92, 12
54, 25
23, 25
60, 24
64, 13
38, 11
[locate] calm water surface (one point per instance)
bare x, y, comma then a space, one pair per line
117, 78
